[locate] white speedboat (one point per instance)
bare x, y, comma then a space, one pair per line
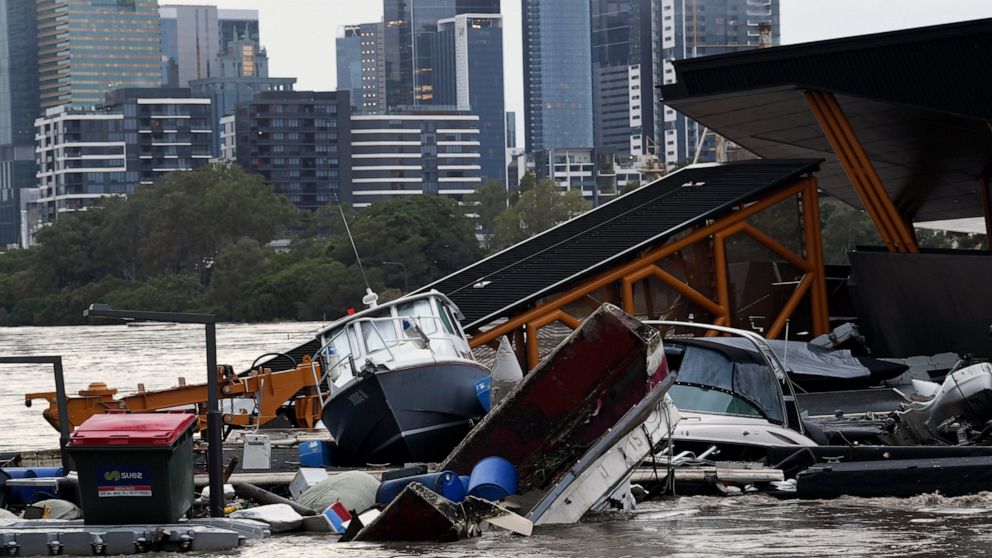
732, 395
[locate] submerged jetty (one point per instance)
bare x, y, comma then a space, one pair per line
634, 355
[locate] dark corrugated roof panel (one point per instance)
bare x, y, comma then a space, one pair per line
942, 68
610, 233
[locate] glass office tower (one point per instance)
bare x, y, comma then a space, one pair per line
409, 33
468, 62
557, 74
89, 47
18, 109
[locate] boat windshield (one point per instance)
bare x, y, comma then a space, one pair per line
378, 331
741, 378
421, 311
707, 400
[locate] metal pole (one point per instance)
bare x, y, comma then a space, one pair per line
60, 399
63, 415
215, 451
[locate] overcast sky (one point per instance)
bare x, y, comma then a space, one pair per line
299, 34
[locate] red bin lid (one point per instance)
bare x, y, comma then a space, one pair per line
143, 429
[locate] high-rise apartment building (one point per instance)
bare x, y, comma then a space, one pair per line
18, 109
190, 43
299, 141
136, 136
409, 29
89, 47
626, 67
360, 66
468, 58
691, 28
557, 74
412, 153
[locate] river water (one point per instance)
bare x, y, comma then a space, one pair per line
750, 525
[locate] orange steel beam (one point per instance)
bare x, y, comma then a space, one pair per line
649, 258
773, 245
845, 156
689, 292
720, 273
533, 350
790, 306
627, 295
820, 312
899, 222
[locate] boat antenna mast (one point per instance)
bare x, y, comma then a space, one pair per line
370, 299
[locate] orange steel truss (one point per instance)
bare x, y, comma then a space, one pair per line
895, 230
813, 283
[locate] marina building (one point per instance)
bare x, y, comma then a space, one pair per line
136, 136
299, 141
414, 152
89, 47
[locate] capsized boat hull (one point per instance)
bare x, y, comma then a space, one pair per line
575, 395
412, 414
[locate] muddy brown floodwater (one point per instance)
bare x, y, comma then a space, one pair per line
750, 525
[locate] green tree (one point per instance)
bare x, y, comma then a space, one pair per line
429, 235
489, 201
844, 228
236, 265
527, 183
537, 210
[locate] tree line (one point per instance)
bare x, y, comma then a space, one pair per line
202, 241
199, 241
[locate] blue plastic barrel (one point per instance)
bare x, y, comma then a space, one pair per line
483, 389
465, 481
316, 454
493, 479
445, 483
25, 495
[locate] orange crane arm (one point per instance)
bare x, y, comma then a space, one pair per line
271, 390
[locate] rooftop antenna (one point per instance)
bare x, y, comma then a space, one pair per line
370, 299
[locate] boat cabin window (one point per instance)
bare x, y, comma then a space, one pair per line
446, 318
379, 331
343, 344
752, 383
419, 309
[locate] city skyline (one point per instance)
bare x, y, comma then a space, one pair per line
300, 35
